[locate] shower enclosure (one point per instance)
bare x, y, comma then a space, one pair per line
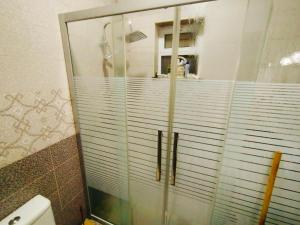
182, 149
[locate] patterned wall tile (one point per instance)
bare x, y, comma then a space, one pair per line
30, 122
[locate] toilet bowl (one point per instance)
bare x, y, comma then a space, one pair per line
36, 211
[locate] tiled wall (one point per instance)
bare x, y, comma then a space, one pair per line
53, 172
32, 73
38, 151
32, 121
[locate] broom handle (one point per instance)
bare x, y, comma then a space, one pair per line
269, 188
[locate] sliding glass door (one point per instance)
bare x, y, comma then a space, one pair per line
98, 61
122, 114
219, 53
165, 106
264, 119
147, 116
208, 55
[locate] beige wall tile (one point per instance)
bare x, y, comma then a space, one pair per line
32, 71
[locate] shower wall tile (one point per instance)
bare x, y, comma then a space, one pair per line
44, 185
70, 212
67, 170
32, 121
35, 109
64, 151
56, 207
32, 73
70, 189
44, 173
23, 172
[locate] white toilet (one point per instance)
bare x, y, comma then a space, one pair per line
37, 211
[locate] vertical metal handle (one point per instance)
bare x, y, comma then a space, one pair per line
158, 168
174, 162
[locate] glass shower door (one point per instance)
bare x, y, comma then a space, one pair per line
205, 78
122, 114
226, 124
97, 50
207, 69
147, 114
264, 119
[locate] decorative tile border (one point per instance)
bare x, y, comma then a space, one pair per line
30, 122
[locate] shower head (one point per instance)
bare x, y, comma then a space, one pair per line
135, 36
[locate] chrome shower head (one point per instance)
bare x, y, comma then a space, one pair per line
135, 36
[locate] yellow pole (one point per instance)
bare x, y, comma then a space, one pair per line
269, 188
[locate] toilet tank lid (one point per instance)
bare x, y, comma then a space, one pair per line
29, 212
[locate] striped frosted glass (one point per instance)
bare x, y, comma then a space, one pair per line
264, 118
225, 146
147, 112
102, 120
200, 119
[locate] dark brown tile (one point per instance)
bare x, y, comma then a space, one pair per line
44, 186
55, 204
19, 174
70, 190
80, 153
67, 171
71, 212
64, 150
62, 184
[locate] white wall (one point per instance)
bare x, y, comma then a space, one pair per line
34, 99
283, 39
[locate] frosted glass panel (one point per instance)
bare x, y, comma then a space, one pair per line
100, 97
147, 113
102, 119
200, 119
202, 106
226, 124
264, 118
102, 123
